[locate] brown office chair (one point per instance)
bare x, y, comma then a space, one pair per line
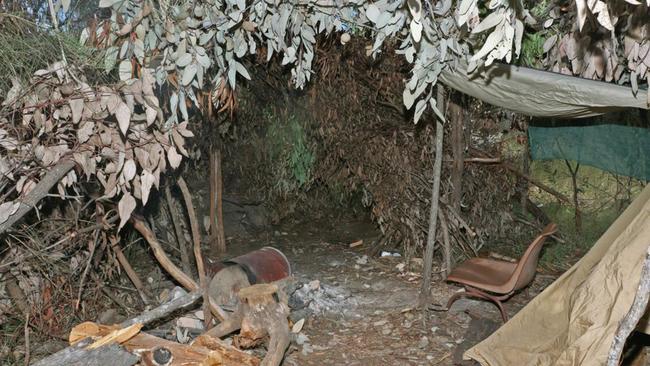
496, 280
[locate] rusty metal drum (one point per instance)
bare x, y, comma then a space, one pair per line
264, 265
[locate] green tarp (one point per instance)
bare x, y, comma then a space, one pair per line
619, 149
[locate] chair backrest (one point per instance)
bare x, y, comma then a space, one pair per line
527, 265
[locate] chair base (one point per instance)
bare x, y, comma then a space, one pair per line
474, 292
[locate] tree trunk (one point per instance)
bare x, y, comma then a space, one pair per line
433, 213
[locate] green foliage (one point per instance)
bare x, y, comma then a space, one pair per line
538, 11
532, 49
290, 153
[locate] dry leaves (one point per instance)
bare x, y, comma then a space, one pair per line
101, 128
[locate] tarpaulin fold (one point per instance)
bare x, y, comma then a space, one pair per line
541, 93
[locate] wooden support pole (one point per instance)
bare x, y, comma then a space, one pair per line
198, 256
447, 244
433, 213
456, 119
217, 235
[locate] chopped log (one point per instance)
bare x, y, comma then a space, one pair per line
184, 354
261, 313
230, 355
39, 192
153, 349
78, 355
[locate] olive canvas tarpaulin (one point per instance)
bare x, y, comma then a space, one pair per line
618, 149
541, 93
574, 320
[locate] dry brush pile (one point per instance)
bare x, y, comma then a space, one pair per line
366, 145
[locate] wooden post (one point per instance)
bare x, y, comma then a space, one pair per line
447, 244
433, 213
456, 117
198, 256
524, 184
217, 235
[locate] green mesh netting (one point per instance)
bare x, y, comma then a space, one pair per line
619, 149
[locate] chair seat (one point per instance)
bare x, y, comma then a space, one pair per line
485, 274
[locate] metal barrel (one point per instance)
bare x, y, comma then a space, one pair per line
264, 265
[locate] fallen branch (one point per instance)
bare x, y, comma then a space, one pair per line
39, 192
130, 272
539, 184
163, 310
170, 267
180, 238
631, 319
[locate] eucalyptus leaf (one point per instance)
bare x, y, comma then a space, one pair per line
188, 74
111, 58
125, 70
184, 60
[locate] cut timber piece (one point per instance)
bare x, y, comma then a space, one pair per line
183, 354
264, 314
206, 351
261, 314
231, 356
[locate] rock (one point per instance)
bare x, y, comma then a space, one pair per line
423, 343
314, 285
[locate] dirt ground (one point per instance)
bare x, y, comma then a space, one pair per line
362, 308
